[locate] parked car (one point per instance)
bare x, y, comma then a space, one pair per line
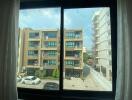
51, 86
19, 78
31, 80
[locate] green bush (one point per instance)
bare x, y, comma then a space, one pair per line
55, 73
40, 73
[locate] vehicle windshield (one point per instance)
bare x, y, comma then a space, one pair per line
33, 78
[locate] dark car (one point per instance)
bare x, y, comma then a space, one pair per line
51, 86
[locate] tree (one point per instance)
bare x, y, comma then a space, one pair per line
86, 57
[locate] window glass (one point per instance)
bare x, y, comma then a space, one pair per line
38, 52
87, 49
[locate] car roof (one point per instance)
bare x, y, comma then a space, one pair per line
51, 83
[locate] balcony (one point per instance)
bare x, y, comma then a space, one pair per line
34, 39
47, 66
34, 36
73, 48
34, 56
73, 55
72, 58
78, 66
32, 66
74, 35
33, 62
49, 56
49, 48
50, 39
34, 47
34, 44
73, 39
50, 35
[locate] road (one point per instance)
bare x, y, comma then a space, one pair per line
73, 84
38, 86
93, 81
78, 84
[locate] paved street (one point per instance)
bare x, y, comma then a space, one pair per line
93, 81
78, 84
75, 84
38, 86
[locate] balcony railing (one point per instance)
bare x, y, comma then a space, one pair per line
49, 56
35, 37
34, 55
33, 64
34, 46
73, 48
75, 37
72, 66
47, 66
73, 57
49, 47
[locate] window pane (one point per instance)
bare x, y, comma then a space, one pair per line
38, 52
87, 49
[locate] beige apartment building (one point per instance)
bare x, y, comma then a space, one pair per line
102, 42
73, 53
41, 51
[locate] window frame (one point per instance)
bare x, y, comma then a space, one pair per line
25, 93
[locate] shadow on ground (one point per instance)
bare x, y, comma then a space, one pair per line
86, 71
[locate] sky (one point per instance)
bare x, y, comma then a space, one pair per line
49, 18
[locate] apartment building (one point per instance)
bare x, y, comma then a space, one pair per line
102, 42
73, 53
41, 51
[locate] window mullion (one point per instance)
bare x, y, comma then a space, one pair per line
61, 49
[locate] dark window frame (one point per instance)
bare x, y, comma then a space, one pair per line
36, 94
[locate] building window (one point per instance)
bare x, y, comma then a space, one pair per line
34, 44
73, 35
32, 62
50, 34
34, 35
32, 53
50, 44
39, 48
49, 62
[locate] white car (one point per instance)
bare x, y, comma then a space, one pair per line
19, 78
30, 80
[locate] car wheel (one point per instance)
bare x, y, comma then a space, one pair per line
33, 83
23, 82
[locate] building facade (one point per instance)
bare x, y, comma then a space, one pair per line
41, 51
102, 42
73, 53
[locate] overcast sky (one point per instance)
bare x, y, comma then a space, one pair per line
50, 18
